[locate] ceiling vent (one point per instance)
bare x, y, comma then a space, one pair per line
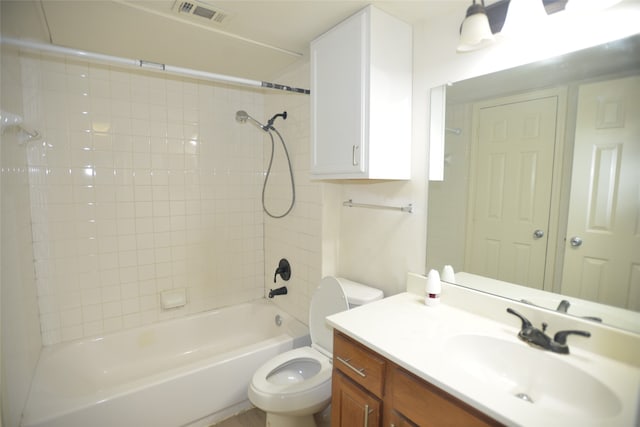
200, 12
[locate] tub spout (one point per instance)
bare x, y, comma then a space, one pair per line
279, 291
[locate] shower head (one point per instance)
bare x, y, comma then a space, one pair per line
242, 117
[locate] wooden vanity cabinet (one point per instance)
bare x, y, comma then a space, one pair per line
369, 390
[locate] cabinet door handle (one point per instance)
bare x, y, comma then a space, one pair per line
354, 156
359, 371
367, 411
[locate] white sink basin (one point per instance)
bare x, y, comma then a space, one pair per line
535, 376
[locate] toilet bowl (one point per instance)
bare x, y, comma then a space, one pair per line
295, 385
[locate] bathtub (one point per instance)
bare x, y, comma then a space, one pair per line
190, 371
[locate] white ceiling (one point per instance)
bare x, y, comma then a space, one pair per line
259, 40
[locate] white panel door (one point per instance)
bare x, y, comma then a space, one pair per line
513, 178
604, 264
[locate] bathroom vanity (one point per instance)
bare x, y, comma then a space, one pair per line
398, 362
368, 388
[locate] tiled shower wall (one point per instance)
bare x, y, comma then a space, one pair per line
21, 340
297, 236
140, 183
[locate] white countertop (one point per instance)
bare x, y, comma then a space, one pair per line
415, 336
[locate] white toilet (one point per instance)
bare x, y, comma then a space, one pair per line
295, 385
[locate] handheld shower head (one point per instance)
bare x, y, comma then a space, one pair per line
242, 117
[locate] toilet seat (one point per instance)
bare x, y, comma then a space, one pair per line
261, 378
302, 395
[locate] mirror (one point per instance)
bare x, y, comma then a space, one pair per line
541, 194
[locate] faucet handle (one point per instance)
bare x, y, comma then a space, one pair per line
561, 336
284, 270
525, 322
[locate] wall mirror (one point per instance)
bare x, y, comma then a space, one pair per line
540, 200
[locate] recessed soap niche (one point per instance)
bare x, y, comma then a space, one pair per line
173, 298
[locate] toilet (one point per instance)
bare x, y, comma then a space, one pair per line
295, 385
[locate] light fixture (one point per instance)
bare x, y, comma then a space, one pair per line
475, 32
581, 6
525, 17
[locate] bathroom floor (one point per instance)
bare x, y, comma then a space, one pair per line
251, 418
257, 418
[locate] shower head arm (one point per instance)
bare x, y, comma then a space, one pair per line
273, 119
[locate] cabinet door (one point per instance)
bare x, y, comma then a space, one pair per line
338, 74
352, 406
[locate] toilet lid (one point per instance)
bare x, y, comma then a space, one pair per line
329, 298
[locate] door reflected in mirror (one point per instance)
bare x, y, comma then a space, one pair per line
542, 182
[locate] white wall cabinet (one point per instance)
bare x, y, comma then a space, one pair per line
361, 77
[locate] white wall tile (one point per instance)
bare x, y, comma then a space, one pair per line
21, 333
296, 237
141, 193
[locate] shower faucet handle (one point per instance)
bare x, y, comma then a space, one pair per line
284, 270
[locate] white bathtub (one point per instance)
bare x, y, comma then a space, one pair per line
190, 371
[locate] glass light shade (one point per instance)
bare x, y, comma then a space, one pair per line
475, 33
524, 16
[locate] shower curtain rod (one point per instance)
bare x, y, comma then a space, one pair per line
148, 65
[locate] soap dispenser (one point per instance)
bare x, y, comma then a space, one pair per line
433, 289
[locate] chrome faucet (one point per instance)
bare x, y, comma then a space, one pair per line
538, 338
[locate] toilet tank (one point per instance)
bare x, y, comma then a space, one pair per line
359, 294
